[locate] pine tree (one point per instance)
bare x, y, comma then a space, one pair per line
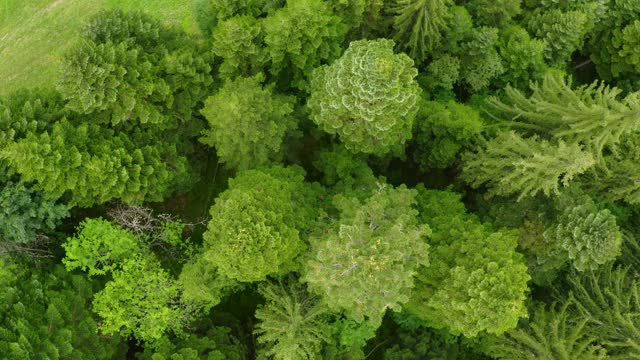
418, 25
512, 165
590, 115
293, 324
368, 97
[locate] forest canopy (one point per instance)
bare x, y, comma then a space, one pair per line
327, 179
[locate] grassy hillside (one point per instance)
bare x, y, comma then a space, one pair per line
34, 34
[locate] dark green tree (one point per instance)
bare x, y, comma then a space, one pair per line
494, 13
562, 32
523, 57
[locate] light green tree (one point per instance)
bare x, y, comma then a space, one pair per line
259, 224
247, 123
293, 324
368, 97
364, 264
512, 165
238, 42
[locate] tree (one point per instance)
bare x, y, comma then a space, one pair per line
93, 165
589, 236
300, 37
610, 300
418, 25
44, 314
131, 68
512, 165
358, 265
442, 131
476, 280
494, 13
562, 32
141, 300
202, 286
238, 42
479, 59
293, 325
99, 247
248, 123
368, 97
590, 115
216, 344
259, 224
552, 332
523, 57
28, 111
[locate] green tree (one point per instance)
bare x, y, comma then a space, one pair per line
238, 41
590, 115
512, 165
28, 111
494, 13
259, 224
44, 314
216, 344
300, 37
131, 68
523, 57
141, 300
94, 165
610, 300
368, 97
418, 25
476, 280
366, 260
480, 62
247, 123
552, 332
201, 286
442, 131
293, 325
562, 32
99, 247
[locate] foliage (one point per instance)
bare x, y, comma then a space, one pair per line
494, 13
237, 42
553, 332
443, 72
589, 236
258, 224
259, 120
44, 314
562, 32
368, 97
512, 165
523, 57
93, 165
99, 247
140, 300
132, 68
480, 61
358, 265
217, 344
476, 280
418, 25
590, 115
609, 299
293, 325
28, 110
201, 286
300, 37
442, 130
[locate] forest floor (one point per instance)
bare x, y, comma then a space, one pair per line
35, 34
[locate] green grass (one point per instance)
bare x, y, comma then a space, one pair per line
35, 34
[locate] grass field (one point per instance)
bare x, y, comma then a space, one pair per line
34, 34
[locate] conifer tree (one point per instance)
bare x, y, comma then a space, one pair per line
259, 224
28, 111
480, 62
368, 97
300, 37
512, 165
357, 265
562, 32
293, 324
247, 123
418, 25
551, 332
590, 115
238, 42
